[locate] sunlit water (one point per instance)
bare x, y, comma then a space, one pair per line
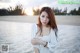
17, 36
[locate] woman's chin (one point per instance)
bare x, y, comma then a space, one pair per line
44, 24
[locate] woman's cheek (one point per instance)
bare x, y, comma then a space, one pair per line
41, 20
47, 21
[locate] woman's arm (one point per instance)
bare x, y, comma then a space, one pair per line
37, 41
53, 42
36, 50
33, 41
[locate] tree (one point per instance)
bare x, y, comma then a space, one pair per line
78, 12
4, 12
59, 11
36, 12
75, 12
16, 11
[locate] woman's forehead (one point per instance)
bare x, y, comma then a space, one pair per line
44, 13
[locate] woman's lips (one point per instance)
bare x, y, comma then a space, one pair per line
44, 22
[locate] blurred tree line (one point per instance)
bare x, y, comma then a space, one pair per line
61, 12
18, 10
75, 12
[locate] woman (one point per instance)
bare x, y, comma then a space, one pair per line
44, 36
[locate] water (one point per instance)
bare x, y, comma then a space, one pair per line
17, 35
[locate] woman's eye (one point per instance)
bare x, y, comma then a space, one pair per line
42, 15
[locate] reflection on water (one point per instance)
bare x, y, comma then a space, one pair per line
17, 36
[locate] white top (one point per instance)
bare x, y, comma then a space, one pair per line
51, 39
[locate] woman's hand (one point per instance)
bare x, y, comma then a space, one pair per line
37, 41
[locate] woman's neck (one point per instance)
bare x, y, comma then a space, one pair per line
45, 30
45, 26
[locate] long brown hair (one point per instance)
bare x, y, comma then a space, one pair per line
51, 17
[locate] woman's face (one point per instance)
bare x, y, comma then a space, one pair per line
44, 18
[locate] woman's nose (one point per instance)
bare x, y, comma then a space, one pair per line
45, 18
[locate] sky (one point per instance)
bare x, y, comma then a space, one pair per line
28, 4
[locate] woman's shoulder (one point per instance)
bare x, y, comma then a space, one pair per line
35, 27
54, 30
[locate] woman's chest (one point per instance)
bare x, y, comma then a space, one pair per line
45, 38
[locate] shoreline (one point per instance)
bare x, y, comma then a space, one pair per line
60, 20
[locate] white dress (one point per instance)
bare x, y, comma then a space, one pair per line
51, 39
